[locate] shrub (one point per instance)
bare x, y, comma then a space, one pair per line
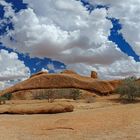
52, 94
129, 89
46, 94
75, 94
7, 96
2, 100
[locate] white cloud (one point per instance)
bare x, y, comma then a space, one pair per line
50, 67
117, 70
9, 12
64, 30
44, 70
12, 70
128, 12
58, 29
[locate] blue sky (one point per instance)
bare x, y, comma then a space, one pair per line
120, 41
103, 60
36, 64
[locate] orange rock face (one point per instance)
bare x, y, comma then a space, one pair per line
39, 73
68, 72
94, 75
66, 79
36, 108
115, 83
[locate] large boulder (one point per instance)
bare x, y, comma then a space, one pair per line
36, 108
62, 80
94, 75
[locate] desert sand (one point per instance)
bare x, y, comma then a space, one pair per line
104, 119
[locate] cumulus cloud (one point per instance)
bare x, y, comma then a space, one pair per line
44, 70
9, 12
64, 30
117, 70
128, 12
12, 70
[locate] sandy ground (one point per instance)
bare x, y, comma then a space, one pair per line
101, 120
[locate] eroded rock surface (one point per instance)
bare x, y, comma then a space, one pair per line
66, 79
36, 108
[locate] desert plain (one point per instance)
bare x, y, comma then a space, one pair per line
106, 118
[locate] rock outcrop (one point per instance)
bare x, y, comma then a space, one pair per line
94, 75
36, 108
66, 79
68, 72
39, 73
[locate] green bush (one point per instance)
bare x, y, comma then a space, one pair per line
6, 96
129, 89
52, 94
48, 94
75, 94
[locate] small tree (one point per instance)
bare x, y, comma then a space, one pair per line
46, 94
7, 96
75, 94
50, 96
129, 89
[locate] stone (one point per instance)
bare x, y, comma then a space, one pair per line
94, 75
65, 79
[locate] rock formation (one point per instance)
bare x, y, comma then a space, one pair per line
68, 72
94, 75
36, 108
66, 79
39, 73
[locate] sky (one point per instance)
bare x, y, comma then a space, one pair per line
53, 35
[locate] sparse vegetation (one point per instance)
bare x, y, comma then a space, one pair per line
129, 89
75, 94
5, 97
2, 100
49, 95
52, 94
